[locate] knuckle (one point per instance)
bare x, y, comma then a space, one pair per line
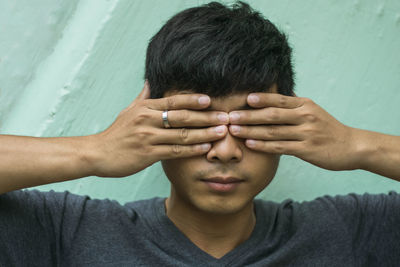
271, 131
184, 116
148, 149
310, 117
273, 114
307, 101
184, 133
170, 102
176, 149
143, 134
145, 149
282, 101
278, 148
308, 131
316, 140
139, 103
138, 146
142, 117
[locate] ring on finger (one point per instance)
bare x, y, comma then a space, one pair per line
165, 119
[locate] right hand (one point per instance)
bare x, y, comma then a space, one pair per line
137, 138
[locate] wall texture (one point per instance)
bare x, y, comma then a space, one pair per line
69, 67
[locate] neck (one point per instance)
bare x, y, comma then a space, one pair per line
216, 234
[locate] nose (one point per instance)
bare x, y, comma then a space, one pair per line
226, 150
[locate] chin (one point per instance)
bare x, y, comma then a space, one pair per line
221, 205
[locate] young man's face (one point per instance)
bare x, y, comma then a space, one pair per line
200, 182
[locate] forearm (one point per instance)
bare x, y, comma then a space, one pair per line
32, 161
379, 153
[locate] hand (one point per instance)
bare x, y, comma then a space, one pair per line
137, 138
295, 126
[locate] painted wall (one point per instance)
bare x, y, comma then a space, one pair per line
69, 67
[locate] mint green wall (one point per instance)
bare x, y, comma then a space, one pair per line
69, 67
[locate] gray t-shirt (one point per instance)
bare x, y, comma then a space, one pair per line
63, 229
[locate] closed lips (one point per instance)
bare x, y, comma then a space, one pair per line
220, 180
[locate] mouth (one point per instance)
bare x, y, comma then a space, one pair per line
222, 184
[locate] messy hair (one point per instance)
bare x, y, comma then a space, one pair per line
219, 50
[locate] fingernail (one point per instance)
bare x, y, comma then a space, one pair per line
219, 129
250, 143
205, 147
253, 98
234, 116
223, 117
235, 129
203, 100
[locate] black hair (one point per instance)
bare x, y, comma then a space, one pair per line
219, 50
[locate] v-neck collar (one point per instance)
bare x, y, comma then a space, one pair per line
185, 244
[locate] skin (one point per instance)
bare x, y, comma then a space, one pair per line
134, 141
202, 213
137, 139
299, 127
275, 125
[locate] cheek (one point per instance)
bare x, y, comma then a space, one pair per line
180, 173
176, 169
263, 166
170, 167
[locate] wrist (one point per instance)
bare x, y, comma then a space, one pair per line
363, 148
89, 155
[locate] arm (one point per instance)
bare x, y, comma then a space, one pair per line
135, 140
379, 153
299, 127
31, 161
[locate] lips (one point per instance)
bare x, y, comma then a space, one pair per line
222, 184
223, 180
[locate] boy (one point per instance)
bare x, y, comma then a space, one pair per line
222, 110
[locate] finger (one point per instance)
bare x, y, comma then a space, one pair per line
183, 101
267, 133
180, 151
275, 147
190, 118
185, 136
270, 115
261, 100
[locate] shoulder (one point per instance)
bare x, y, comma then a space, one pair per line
270, 212
145, 203
147, 207
354, 201
27, 199
51, 203
267, 206
345, 206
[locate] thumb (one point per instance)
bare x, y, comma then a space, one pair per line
145, 93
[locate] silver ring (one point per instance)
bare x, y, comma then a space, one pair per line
165, 119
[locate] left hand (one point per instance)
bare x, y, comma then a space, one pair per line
295, 126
